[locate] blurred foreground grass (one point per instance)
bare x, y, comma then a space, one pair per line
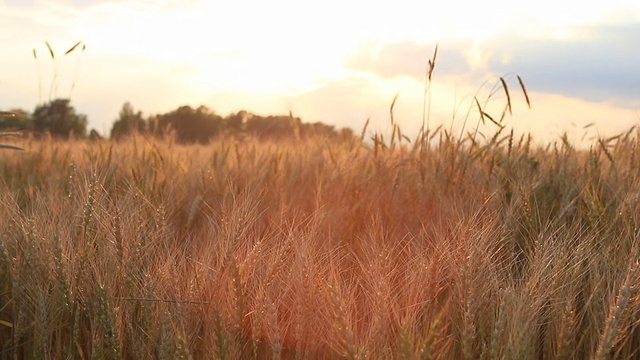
320, 249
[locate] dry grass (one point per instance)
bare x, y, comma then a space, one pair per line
320, 249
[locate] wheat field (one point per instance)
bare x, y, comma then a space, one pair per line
438, 248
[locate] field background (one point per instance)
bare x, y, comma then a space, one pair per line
320, 248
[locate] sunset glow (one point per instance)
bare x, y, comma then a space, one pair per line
330, 61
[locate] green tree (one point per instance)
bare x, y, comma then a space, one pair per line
128, 122
271, 127
191, 125
234, 123
59, 118
16, 119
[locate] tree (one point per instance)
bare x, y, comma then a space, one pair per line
234, 123
128, 122
59, 118
16, 119
191, 125
271, 127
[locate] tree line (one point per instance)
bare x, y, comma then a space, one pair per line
200, 125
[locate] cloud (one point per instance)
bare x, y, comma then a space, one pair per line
596, 63
601, 65
348, 102
408, 58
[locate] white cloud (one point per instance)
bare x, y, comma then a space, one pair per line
308, 56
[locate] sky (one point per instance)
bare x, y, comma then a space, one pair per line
336, 61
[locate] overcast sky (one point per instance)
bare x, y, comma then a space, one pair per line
335, 61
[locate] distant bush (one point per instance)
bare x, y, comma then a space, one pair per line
128, 122
59, 118
202, 125
191, 125
16, 119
